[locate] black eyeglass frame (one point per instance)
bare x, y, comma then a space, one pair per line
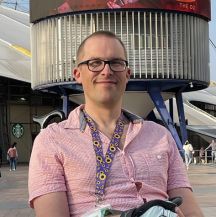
86, 62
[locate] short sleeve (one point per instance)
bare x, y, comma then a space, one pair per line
177, 174
45, 167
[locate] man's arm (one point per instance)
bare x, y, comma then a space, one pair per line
208, 147
189, 207
52, 204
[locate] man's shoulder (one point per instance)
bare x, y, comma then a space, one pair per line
153, 125
134, 118
146, 124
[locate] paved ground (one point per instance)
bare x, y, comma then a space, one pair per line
14, 194
203, 180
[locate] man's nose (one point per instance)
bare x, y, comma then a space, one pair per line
107, 70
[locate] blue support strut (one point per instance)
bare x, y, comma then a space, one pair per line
157, 99
65, 99
182, 123
171, 107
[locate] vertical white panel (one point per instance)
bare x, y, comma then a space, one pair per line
156, 44
109, 21
34, 47
127, 33
176, 47
48, 47
133, 42
103, 21
97, 22
185, 47
75, 32
66, 51
167, 44
115, 22
188, 48
196, 44
57, 50
162, 44
72, 58
172, 46
181, 46
206, 72
151, 36
192, 46
200, 48
139, 37
145, 46
121, 25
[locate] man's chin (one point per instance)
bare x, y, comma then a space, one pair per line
108, 100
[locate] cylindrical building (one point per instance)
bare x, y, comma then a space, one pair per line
166, 41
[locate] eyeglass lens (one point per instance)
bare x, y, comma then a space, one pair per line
115, 65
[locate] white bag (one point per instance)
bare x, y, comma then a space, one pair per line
155, 208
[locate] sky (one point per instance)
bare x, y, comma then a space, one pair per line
23, 5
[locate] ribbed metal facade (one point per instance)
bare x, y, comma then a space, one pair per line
160, 45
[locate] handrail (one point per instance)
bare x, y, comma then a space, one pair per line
208, 158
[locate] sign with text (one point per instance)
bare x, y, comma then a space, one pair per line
40, 9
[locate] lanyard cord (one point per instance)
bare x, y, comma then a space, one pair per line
103, 163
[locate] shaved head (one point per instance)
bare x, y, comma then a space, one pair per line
108, 34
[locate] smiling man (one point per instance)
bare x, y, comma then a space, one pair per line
103, 155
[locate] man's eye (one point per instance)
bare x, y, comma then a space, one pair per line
95, 63
117, 63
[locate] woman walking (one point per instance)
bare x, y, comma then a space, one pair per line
188, 152
13, 155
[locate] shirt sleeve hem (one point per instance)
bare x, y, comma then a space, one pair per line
40, 193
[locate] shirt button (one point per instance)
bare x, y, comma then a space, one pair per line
158, 157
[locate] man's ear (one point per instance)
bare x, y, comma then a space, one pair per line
128, 74
77, 75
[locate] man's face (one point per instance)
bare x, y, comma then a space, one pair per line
105, 87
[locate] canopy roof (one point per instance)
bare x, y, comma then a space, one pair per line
15, 45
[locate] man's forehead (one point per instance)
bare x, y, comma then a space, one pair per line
96, 38
96, 42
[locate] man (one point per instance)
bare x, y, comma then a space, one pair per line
212, 145
13, 155
188, 153
64, 178
202, 155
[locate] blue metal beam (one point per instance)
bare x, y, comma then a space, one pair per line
157, 99
171, 107
182, 122
65, 99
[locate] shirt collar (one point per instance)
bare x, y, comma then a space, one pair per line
78, 115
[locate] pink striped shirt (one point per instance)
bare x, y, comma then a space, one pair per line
63, 159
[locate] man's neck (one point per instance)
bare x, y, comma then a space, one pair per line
105, 118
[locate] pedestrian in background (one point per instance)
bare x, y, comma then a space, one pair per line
213, 150
188, 153
202, 155
13, 155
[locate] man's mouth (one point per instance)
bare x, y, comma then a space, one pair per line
106, 82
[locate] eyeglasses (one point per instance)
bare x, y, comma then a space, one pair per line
97, 65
